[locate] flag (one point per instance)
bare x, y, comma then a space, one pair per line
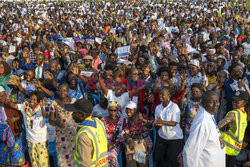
7, 89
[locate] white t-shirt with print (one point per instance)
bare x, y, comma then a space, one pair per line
38, 132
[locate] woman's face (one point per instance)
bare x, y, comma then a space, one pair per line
120, 90
2, 69
63, 91
33, 101
164, 96
113, 112
238, 104
130, 112
141, 60
195, 92
29, 75
164, 75
109, 74
72, 80
173, 70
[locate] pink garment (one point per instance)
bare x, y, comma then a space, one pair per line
83, 52
96, 62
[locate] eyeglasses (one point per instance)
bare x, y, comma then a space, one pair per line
134, 73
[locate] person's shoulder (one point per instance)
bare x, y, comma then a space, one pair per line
174, 106
159, 107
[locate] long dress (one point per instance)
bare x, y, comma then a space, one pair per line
203, 147
113, 130
65, 137
11, 145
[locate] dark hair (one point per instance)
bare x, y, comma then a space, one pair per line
196, 85
30, 69
109, 67
230, 69
173, 64
163, 69
39, 95
7, 67
34, 45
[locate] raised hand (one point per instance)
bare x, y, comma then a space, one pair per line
75, 69
49, 75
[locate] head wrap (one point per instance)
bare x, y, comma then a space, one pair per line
113, 104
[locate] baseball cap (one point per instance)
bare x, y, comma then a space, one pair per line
240, 95
81, 105
195, 63
131, 105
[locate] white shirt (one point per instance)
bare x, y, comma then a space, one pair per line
38, 132
202, 148
169, 113
123, 100
246, 46
98, 111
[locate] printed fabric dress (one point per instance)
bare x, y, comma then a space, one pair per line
113, 130
65, 137
191, 109
11, 146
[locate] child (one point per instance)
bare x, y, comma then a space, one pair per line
190, 107
36, 130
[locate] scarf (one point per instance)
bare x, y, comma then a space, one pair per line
30, 112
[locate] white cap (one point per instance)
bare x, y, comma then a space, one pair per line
195, 62
131, 105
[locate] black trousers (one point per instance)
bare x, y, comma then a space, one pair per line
167, 151
230, 160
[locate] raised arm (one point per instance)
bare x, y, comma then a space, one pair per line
102, 85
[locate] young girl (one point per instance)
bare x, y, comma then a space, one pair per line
36, 130
190, 107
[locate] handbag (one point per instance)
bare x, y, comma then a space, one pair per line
140, 145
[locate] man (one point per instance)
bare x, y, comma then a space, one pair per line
205, 147
40, 67
237, 120
235, 83
194, 75
91, 140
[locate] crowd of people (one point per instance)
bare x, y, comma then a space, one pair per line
179, 71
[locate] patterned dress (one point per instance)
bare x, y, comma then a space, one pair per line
113, 129
191, 109
65, 137
11, 147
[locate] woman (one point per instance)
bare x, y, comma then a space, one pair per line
169, 137
76, 89
11, 145
34, 114
65, 127
114, 126
190, 107
136, 135
5, 72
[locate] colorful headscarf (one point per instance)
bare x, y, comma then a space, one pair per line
113, 104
